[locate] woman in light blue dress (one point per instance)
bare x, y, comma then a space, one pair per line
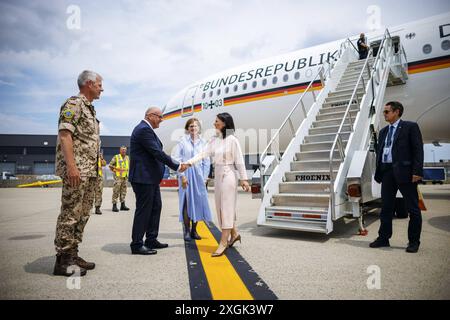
193, 195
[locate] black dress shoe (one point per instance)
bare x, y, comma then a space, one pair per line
143, 250
378, 243
412, 247
157, 245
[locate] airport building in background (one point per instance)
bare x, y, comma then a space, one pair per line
26, 154
23, 154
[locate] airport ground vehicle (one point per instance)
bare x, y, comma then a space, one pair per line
434, 175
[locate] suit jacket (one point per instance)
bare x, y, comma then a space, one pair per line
147, 158
407, 152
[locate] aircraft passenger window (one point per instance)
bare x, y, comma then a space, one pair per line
227, 90
264, 82
235, 88
297, 75
210, 94
308, 73
244, 86
203, 95
285, 77
254, 83
445, 45
274, 80
218, 92
427, 49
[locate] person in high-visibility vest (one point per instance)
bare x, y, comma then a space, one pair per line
99, 185
119, 165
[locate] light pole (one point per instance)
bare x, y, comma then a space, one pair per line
434, 159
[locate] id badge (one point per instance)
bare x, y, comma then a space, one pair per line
386, 151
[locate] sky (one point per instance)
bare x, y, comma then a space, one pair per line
148, 50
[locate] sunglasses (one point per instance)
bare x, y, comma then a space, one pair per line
157, 115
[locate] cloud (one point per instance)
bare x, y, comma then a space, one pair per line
25, 125
6, 83
148, 50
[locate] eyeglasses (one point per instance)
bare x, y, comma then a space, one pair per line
159, 116
387, 111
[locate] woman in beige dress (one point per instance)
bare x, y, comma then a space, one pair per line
229, 166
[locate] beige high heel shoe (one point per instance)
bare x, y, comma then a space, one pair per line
219, 252
232, 241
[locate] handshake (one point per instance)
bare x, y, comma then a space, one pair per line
183, 167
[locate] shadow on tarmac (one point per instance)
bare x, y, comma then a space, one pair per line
43, 265
27, 237
343, 228
441, 223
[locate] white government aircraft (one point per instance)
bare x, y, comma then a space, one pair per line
259, 95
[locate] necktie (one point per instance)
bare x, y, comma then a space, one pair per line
389, 137
388, 141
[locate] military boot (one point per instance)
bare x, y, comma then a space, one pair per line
97, 210
66, 266
123, 206
83, 263
115, 208
194, 234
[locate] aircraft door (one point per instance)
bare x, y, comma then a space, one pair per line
187, 108
375, 45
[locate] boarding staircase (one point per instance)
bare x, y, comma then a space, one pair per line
304, 187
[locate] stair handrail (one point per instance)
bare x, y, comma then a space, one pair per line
321, 74
338, 140
354, 47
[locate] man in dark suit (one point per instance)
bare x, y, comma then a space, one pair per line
399, 167
147, 160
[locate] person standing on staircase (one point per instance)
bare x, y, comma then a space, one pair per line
119, 165
363, 48
99, 185
193, 195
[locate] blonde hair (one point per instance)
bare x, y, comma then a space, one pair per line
190, 121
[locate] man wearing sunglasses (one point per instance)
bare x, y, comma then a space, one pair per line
399, 167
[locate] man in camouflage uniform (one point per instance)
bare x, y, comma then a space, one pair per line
99, 185
77, 152
119, 166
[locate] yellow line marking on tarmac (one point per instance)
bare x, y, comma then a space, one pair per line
223, 280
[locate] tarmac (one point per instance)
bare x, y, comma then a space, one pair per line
294, 265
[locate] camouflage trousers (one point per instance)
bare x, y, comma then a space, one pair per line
98, 191
76, 204
119, 189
